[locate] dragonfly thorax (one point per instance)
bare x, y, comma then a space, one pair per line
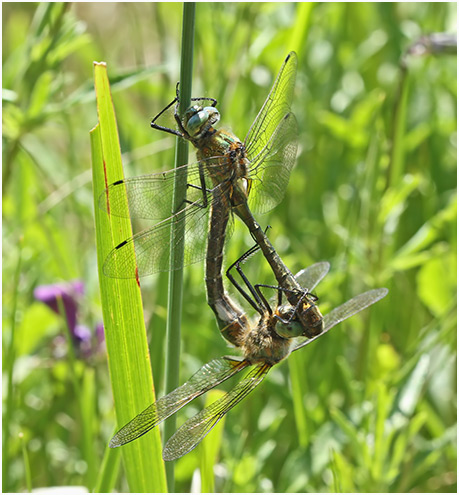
264, 345
198, 120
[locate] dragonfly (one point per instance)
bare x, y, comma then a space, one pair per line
301, 316
263, 346
304, 317
252, 176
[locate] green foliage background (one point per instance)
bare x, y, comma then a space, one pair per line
373, 192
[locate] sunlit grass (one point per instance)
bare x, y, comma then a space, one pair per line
373, 192
124, 327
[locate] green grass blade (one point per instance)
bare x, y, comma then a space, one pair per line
9, 360
209, 448
299, 390
25, 457
88, 410
125, 334
400, 117
109, 471
84, 391
174, 306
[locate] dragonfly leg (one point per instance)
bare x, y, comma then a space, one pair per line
254, 237
258, 301
294, 312
255, 301
202, 188
205, 200
204, 98
280, 290
262, 296
200, 98
185, 133
202, 180
176, 113
302, 292
166, 129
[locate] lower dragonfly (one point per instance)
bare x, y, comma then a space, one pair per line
304, 317
263, 345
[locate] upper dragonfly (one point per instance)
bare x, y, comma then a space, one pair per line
263, 344
254, 174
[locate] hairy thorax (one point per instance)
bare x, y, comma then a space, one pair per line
262, 343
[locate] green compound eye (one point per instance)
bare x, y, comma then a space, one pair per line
291, 329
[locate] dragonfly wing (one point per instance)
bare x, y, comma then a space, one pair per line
150, 196
195, 429
341, 313
148, 251
276, 106
209, 376
270, 168
311, 276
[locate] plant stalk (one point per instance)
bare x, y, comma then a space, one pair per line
174, 305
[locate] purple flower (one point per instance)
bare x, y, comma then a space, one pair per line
82, 337
100, 333
66, 296
68, 293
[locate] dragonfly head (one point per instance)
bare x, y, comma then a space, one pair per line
303, 321
198, 120
287, 325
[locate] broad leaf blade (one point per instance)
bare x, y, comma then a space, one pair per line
125, 334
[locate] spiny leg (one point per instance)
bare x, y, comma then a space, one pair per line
280, 291
255, 300
162, 128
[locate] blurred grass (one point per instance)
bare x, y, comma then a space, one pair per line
373, 192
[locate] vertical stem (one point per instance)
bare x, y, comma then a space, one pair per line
174, 306
10, 361
25, 458
398, 132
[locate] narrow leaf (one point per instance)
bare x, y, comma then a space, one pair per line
127, 348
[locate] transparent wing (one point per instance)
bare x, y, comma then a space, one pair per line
270, 168
195, 429
311, 276
150, 196
274, 109
209, 376
148, 251
341, 313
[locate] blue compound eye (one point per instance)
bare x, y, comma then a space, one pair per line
190, 112
198, 120
195, 122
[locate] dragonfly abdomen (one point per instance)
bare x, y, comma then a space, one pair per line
231, 320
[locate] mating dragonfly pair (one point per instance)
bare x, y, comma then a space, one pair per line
230, 177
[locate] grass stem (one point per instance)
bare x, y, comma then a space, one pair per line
174, 306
